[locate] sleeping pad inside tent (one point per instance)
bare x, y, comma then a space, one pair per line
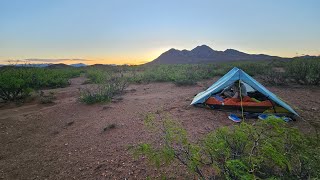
256, 99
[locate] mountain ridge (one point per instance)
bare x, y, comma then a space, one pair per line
205, 54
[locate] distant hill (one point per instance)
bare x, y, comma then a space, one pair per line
103, 65
307, 57
204, 54
58, 66
55, 66
61, 65
78, 65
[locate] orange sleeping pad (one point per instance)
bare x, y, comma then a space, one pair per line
246, 101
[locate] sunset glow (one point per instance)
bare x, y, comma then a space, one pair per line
131, 32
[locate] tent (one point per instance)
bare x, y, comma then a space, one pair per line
269, 102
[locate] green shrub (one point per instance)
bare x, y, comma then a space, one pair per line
182, 74
254, 68
47, 98
17, 82
267, 149
304, 71
189, 74
272, 77
13, 85
103, 92
97, 76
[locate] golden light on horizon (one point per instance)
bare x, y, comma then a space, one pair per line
125, 58
135, 57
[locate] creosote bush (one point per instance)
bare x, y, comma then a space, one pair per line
18, 82
266, 149
97, 76
183, 74
47, 98
189, 74
304, 71
272, 77
103, 92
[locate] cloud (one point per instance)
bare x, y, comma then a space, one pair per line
56, 60
45, 61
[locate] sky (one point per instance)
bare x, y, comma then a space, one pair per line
138, 31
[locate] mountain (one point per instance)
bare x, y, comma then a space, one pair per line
205, 54
78, 65
58, 66
307, 57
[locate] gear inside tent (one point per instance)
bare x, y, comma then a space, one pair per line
246, 94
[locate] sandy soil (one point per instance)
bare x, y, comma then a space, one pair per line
65, 140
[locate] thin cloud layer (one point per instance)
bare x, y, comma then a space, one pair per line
57, 60
44, 61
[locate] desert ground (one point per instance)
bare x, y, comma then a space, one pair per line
66, 140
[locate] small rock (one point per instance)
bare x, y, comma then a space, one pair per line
55, 132
70, 123
118, 98
179, 110
106, 107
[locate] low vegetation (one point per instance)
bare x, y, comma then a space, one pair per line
178, 74
266, 149
18, 82
305, 71
105, 91
277, 72
47, 98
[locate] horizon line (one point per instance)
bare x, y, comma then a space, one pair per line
121, 62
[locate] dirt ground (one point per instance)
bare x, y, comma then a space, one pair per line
65, 140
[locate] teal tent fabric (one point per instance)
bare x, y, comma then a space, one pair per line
232, 76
